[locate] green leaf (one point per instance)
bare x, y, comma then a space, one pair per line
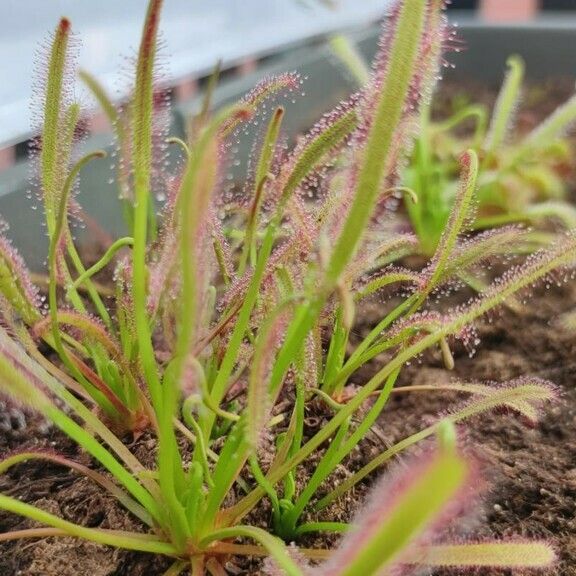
459, 215
262, 170
24, 380
16, 285
115, 538
314, 151
350, 56
522, 396
142, 116
506, 105
52, 137
490, 554
379, 144
387, 529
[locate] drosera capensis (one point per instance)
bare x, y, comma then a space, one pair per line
226, 327
523, 179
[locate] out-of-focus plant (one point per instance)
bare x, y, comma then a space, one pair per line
226, 341
521, 179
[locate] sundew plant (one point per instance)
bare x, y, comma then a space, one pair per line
227, 325
521, 179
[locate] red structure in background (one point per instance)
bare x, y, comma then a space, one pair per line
508, 10
7, 157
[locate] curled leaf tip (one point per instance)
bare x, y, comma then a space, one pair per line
65, 25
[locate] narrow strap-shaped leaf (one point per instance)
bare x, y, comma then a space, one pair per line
97, 477
56, 226
105, 103
557, 123
387, 115
562, 254
17, 374
336, 351
350, 56
522, 396
314, 151
63, 185
258, 395
142, 112
484, 246
92, 425
92, 330
385, 279
459, 214
222, 379
379, 254
323, 469
115, 538
386, 529
16, 285
199, 121
230, 463
534, 554
195, 196
264, 90
118, 124
506, 105
262, 170
53, 112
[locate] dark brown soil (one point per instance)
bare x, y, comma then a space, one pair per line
532, 471
55, 489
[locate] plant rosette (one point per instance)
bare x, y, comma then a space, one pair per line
223, 308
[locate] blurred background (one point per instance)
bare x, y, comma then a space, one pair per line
252, 39
196, 32
542, 4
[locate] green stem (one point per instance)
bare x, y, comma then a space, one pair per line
103, 262
274, 546
114, 538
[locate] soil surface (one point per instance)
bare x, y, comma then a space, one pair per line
532, 471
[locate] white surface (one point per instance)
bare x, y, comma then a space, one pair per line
196, 32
